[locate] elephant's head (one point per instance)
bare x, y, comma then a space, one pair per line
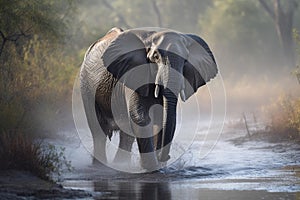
178, 64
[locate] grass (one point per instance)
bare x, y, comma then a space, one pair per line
21, 152
281, 122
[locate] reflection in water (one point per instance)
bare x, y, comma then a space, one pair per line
133, 190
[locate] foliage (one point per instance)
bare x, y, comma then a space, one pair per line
282, 14
242, 35
36, 70
297, 44
296, 72
99, 16
41, 75
23, 19
18, 151
186, 18
284, 115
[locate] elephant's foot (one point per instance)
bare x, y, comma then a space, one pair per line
97, 164
149, 161
163, 158
99, 158
99, 153
163, 154
122, 157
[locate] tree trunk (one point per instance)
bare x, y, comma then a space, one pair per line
157, 12
283, 20
284, 26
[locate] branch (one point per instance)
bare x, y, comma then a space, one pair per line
293, 5
12, 38
278, 9
108, 5
3, 42
296, 4
267, 8
156, 10
120, 17
2, 35
15, 37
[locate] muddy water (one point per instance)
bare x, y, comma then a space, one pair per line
251, 170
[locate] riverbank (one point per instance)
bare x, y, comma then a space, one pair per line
16, 185
269, 137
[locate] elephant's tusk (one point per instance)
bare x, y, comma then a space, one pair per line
182, 95
156, 92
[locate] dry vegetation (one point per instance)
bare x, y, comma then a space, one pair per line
284, 118
20, 152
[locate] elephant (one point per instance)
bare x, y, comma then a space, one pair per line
130, 82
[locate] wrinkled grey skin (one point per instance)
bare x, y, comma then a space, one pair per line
174, 64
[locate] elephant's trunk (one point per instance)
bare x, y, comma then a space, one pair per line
169, 123
170, 76
172, 80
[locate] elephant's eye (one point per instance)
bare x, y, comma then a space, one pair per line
155, 56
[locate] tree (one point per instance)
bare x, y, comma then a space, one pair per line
35, 69
22, 19
283, 17
155, 6
242, 38
183, 15
174, 14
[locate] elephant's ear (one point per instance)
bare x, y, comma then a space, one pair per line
126, 59
200, 65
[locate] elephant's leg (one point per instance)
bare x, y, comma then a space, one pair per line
146, 149
124, 150
157, 116
99, 139
99, 149
157, 126
145, 141
142, 128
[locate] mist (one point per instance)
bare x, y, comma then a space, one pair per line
214, 153
242, 37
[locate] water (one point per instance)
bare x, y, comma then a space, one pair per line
249, 170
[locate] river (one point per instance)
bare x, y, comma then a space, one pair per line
227, 170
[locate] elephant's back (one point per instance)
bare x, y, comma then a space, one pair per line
96, 81
92, 71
